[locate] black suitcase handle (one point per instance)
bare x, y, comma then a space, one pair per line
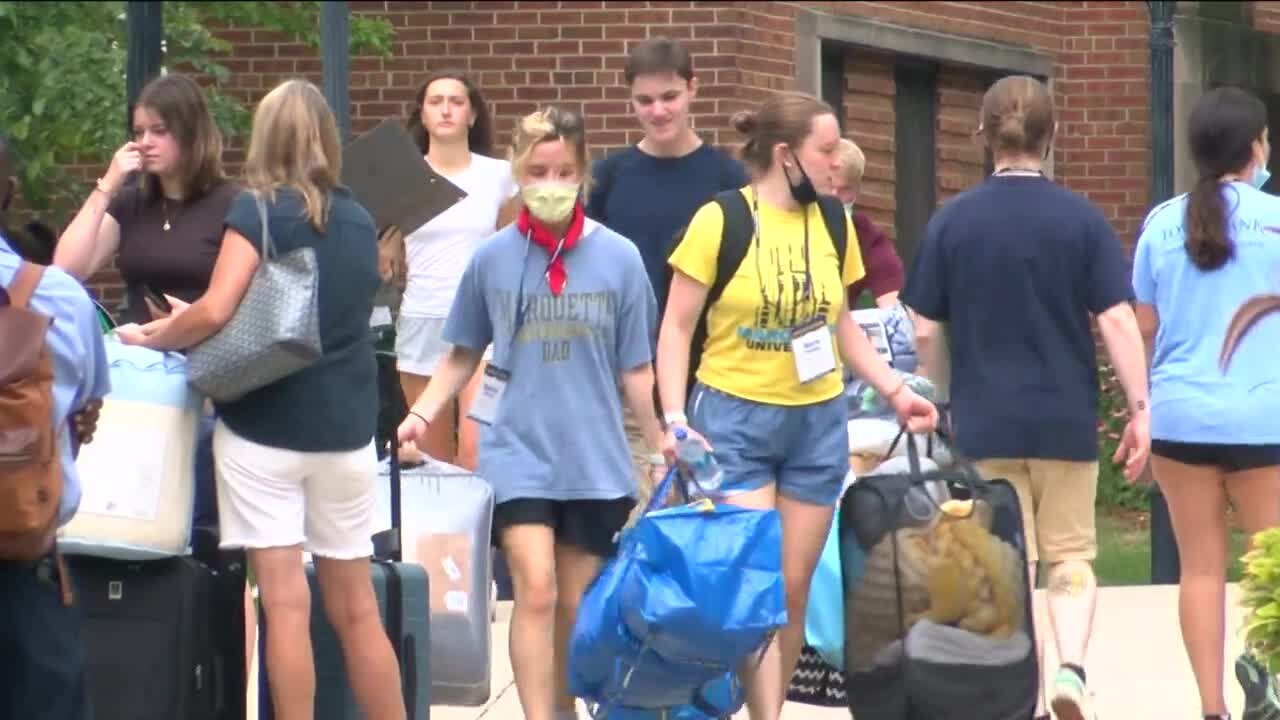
386, 544
388, 552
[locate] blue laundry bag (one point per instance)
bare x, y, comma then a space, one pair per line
692, 592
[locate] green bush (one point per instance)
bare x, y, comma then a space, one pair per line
1260, 584
1113, 490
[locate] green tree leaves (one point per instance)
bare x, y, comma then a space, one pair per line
62, 76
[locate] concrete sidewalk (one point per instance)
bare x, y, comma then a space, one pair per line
1137, 666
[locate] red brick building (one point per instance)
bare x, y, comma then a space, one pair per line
908, 76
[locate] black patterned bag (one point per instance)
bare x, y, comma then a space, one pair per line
938, 622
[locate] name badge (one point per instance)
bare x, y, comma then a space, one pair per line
872, 322
484, 409
812, 349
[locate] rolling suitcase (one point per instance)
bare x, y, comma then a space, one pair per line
164, 638
403, 598
446, 526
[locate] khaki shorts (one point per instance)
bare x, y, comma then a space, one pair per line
1057, 499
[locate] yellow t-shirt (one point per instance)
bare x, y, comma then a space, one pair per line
748, 349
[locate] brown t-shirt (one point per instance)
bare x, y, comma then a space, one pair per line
177, 261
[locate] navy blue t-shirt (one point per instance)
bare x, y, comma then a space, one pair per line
649, 199
332, 405
1015, 267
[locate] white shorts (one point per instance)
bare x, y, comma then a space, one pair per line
269, 497
420, 345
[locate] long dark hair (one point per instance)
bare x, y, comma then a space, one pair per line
1223, 127
479, 138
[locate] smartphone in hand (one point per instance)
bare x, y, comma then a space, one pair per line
157, 299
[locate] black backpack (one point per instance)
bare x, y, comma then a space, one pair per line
734, 241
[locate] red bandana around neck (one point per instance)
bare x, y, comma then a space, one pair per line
538, 233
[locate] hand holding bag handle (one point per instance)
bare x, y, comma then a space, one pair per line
387, 544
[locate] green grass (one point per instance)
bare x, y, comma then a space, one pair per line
1124, 550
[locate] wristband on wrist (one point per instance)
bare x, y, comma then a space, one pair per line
672, 418
656, 459
101, 187
896, 391
419, 415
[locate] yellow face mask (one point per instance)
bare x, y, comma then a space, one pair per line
551, 201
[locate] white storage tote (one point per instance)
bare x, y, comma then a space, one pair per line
138, 474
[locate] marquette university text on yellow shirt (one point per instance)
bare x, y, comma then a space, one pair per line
748, 349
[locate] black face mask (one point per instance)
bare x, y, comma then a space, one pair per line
804, 193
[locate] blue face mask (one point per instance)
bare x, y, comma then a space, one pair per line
1260, 177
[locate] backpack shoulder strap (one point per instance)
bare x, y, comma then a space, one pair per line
735, 238
24, 284
837, 226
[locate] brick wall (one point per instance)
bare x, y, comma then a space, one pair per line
960, 157
869, 121
525, 54
1102, 88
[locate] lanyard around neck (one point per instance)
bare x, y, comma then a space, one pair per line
521, 305
808, 277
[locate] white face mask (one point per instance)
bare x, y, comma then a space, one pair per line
551, 201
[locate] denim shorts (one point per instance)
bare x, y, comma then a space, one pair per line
803, 448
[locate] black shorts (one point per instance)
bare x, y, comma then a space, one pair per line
42, 654
592, 525
1228, 458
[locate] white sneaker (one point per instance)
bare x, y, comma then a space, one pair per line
1070, 697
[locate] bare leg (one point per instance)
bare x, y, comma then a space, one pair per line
575, 569
250, 630
1197, 507
286, 599
804, 531
352, 609
530, 552
1073, 595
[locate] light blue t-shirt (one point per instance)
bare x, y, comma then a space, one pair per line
558, 432
1192, 400
80, 372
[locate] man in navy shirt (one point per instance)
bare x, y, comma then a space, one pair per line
649, 191
1015, 268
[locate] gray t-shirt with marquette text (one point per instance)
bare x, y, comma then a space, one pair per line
557, 432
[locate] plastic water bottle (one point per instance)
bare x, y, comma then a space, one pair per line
700, 463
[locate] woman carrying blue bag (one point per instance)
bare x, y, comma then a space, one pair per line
769, 397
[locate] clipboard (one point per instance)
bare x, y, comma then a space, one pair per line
385, 171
